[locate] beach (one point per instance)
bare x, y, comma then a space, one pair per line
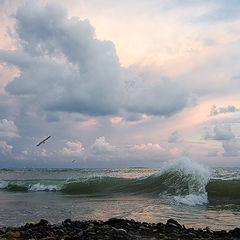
202, 203
119, 119
112, 229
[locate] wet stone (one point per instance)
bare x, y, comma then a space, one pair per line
236, 232
113, 229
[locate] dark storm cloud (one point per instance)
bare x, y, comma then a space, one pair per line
65, 68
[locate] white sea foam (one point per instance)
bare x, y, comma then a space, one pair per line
42, 187
196, 176
3, 184
187, 166
192, 199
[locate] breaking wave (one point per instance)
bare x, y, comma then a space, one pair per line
186, 181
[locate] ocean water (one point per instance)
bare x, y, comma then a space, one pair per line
182, 189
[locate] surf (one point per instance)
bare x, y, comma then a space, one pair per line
184, 180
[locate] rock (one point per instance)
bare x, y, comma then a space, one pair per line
119, 230
113, 229
208, 230
13, 235
32, 223
44, 222
89, 228
48, 238
114, 221
173, 223
235, 232
2, 230
144, 228
173, 236
67, 222
12, 229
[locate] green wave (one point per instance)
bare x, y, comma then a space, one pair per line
226, 189
169, 182
172, 182
16, 188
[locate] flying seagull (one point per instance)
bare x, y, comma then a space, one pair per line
43, 141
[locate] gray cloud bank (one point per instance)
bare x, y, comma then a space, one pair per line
65, 68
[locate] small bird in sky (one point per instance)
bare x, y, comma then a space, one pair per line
43, 141
73, 160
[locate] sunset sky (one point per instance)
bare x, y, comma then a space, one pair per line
119, 83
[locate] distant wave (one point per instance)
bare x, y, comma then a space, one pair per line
30, 185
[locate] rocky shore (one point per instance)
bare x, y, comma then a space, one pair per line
117, 229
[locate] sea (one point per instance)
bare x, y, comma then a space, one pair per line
182, 189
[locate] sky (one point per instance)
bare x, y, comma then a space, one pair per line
119, 83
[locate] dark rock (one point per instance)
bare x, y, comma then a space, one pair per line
173, 223
67, 222
235, 232
44, 222
114, 221
113, 229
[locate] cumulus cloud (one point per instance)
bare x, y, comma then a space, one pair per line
148, 152
101, 146
157, 98
221, 132
73, 149
5, 148
229, 109
8, 129
148, 147
231, 148
67, 69
175, 137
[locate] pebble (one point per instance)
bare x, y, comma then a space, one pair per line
113, 229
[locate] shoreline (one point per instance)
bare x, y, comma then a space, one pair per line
113, 228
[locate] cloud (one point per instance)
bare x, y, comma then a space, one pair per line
175, 137
163, 98
231, 148
5, 148
8, 129
43, 153
73, 149
221, 132
147, 147
101, 146
65, 68
148, 152
229, 109
212, 153
221, 11
25, 152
